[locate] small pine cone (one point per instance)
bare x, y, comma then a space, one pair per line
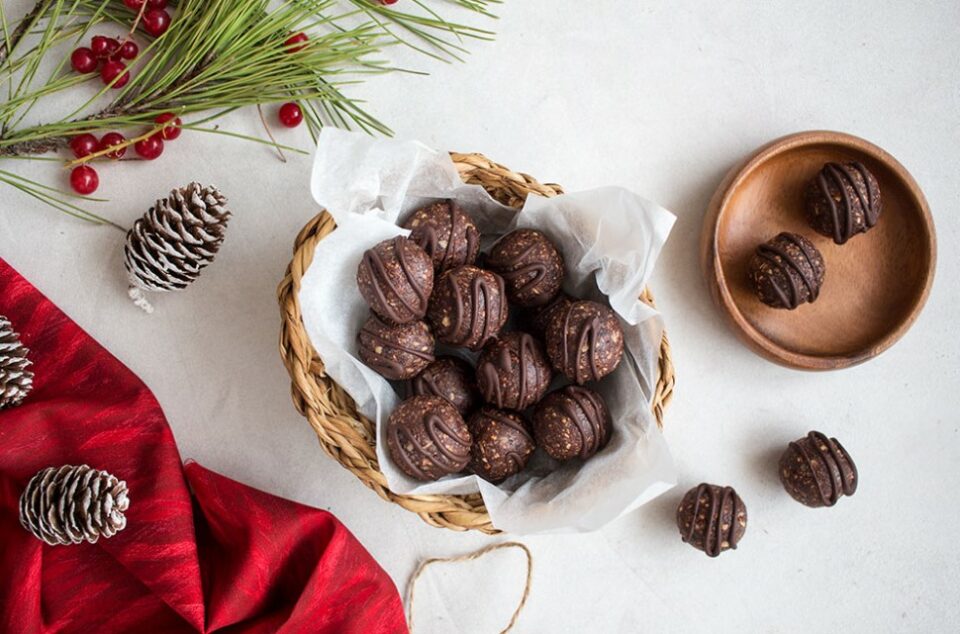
171, 243
69, 505
15, 380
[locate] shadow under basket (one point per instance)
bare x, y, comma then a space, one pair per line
346, 435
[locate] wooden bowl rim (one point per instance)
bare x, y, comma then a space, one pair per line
713, 269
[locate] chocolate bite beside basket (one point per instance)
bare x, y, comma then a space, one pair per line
427, 290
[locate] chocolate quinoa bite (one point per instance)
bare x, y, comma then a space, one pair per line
843, 200
450, 378
545, 314
395, 352
513, 371
585, 341
530, 265
427, 438
817, 471
468, 308
502, 445
446, 233
787, 271
573, 422
395, 277
712, 518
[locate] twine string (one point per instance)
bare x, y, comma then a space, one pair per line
426, 563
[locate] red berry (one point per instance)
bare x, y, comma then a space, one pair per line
113, 69
83, 60
109, 140
156, 22
84, 144
103, 46
150, 147
169, 131
84, 180
128, 50
296, 42
133, 5
157, 4
388, 2
290, 115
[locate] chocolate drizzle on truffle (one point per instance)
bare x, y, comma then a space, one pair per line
446, 233
395, 352
787, 271
786, 260
712, 518
513, 372
843, 200
572, 422
427, 438
530, 264
501, 443
469, 308
397, 298
817, 471
592, 424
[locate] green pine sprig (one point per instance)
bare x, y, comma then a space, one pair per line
217, 56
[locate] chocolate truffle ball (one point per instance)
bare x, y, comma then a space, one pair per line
545, 314
712, 518
513, 371
427, 438
817, 470
395, 352
843, 200
501, 444
573, 422
468, 308
446, 233
530, 264
787, 271
396, 278
585, 341
449, 378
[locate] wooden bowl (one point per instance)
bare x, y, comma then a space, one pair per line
876, 283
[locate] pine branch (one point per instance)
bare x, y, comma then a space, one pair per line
10, 43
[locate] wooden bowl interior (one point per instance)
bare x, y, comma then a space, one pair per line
874, 284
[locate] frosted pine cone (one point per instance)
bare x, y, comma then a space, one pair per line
15, 380
170, 244
69, 505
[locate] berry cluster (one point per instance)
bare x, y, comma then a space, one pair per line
155, 19
105, 54
84, 179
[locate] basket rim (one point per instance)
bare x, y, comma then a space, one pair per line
344, 434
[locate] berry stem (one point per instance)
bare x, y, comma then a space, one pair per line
276, 145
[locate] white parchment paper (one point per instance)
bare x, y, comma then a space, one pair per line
610, 239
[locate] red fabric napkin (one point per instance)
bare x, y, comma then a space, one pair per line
200, 553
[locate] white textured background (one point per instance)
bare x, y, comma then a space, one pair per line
660, 97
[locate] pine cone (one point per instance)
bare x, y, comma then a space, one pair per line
68, 504
15, 380
179, 236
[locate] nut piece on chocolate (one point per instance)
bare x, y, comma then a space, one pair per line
449, 378
545, 314
513, 371
843, 200
468, 308
585, 341
501, 444
817, 471
446, 233
530, 264
787, 271
573, 422
396, 278
395, 352
427, 438
712, 518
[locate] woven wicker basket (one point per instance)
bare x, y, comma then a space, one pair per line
344, 434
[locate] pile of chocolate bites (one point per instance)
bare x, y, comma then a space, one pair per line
435, 287
840, 202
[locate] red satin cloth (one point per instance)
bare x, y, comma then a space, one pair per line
200, 553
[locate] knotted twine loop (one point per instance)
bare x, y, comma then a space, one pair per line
412, 583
